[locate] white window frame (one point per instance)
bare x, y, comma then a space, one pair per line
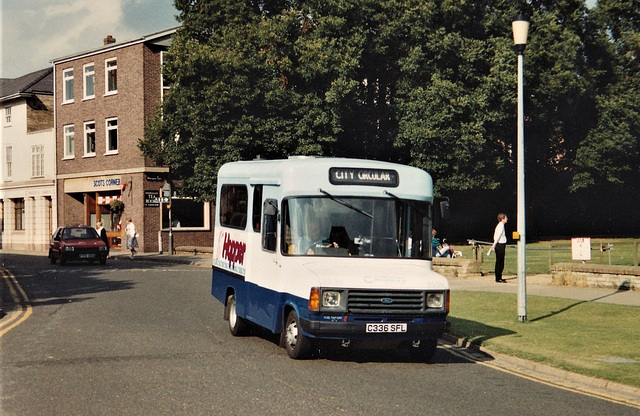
69, 141
110, 65
7, 115
89, 128
164, 87
18, 212
89, 73
37, 161
206, 213
109, 128
8, 158
67, 78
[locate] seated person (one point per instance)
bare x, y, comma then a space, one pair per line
314, 244
439, 249
339, 238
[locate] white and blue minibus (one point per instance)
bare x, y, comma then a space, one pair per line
316, 248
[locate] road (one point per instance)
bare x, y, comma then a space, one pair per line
138, 338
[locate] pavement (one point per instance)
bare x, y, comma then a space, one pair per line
537, 285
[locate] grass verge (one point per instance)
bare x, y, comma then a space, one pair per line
542, 254
595, 339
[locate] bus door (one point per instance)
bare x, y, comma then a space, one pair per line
263, 295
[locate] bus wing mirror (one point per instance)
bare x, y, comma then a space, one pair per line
270, 207
444, 209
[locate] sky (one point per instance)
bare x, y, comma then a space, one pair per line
33, 32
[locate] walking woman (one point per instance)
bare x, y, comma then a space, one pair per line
500, 246
132, 237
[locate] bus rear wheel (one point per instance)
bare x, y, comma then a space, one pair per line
295, 342
237, 325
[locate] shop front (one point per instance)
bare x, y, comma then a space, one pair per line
96, 199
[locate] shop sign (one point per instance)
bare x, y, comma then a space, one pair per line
106, 183
151, 199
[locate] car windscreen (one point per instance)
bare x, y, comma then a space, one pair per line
79, 233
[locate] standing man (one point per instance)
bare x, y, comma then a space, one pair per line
103, 235
500, 246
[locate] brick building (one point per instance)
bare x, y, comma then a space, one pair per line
27, 149
103, 98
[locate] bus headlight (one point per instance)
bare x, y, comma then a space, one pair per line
435, 300
331, 299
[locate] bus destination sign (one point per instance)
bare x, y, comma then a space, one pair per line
360, 176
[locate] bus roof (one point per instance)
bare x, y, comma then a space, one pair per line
307, 175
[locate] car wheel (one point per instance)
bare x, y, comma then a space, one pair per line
296, 343
52, 258
237, 325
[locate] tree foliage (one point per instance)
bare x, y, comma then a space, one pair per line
423, 82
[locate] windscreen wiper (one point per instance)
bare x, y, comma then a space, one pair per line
345, 203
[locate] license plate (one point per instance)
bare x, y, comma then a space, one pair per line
87, 256
386, 328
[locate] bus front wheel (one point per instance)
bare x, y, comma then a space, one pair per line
237, 325
423, 350
296, 344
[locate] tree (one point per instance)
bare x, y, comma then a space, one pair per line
609, 154
423, 82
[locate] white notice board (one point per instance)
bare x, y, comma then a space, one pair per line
581, 248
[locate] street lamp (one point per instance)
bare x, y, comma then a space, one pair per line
520, 27
167, 193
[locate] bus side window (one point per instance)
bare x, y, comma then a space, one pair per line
257, 208
270, 224
233, 206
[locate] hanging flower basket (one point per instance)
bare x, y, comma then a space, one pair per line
117, 206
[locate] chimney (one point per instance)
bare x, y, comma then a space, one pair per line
109, 40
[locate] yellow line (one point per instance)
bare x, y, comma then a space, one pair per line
19, 298
598, 395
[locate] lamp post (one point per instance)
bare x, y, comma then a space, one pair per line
167, 193
520, 27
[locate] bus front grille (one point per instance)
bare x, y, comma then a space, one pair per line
386, 302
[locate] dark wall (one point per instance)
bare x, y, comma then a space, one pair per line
550, 213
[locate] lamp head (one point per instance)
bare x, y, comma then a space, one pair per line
520, 27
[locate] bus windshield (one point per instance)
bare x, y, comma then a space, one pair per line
356, 226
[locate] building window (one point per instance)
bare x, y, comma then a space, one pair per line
111, 76
89, 81
90, 138
67, 85
69, 141
164, 83
7, 115
112, 135
186, 213
18, 209
8, 153
37, 161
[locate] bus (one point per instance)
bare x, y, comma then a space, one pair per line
319, 250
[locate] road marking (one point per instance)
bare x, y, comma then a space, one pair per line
463, 353
20, 298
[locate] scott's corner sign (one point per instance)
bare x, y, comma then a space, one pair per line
105, 183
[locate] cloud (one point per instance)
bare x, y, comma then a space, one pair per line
36, 31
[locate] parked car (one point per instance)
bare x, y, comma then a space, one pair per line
77, 243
